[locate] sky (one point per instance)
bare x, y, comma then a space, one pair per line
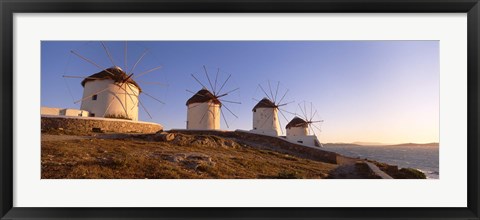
364, 91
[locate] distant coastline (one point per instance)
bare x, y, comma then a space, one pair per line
421, 156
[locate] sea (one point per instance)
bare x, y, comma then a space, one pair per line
422, 157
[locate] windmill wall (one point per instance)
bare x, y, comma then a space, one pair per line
300, 135
297, 131
265, 121
203, 116
310, 140
114, 102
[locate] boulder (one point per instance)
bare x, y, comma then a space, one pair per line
410, 173
164, 136
196, 160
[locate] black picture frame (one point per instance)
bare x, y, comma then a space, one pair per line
9, 7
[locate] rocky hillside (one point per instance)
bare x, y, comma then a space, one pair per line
194, 154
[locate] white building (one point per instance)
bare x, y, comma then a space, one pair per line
297, 132
203, 111
63, 112
111, 94
265, 118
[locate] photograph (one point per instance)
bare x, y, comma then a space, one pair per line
250, 109
274, 109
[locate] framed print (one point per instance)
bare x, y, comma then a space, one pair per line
258, 110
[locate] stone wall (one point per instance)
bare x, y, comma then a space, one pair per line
84, 124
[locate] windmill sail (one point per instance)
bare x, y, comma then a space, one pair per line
302, 128
266, 118
112, 92
204, 108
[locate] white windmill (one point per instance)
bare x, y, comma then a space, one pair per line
302, 129
113, 92
265, 112
204, 107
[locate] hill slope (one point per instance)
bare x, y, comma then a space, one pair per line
190, 154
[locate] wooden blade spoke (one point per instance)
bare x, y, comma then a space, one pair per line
152, 97
153, 83
134, 93
271, 93
209, 82
108, 53
127, 78
205, 113
224, 118
91, 62
125, 56
280, 123
311, 129
301, 110
69, 90
108, 107
148, 71
138, 99
223, 100
229, 110
284, 104
264, 91
203, 86
138, 61
276, 92
283, 96
287, 112
224, 83
283, 116
316, 127
311, 111
216, 77
233, 90
265, 121
129, 96
129, 86
305, 108
145, 109
95, 93
314, 114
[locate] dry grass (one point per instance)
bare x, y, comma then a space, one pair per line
191, 157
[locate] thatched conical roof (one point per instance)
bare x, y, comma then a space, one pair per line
297, 122
118, 76
264, 103
202, 96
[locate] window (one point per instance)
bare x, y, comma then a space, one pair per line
301, 142
94, 97
92, 114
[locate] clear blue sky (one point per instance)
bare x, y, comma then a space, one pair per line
371, 91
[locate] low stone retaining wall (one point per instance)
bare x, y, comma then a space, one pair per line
84, 124
272, 143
